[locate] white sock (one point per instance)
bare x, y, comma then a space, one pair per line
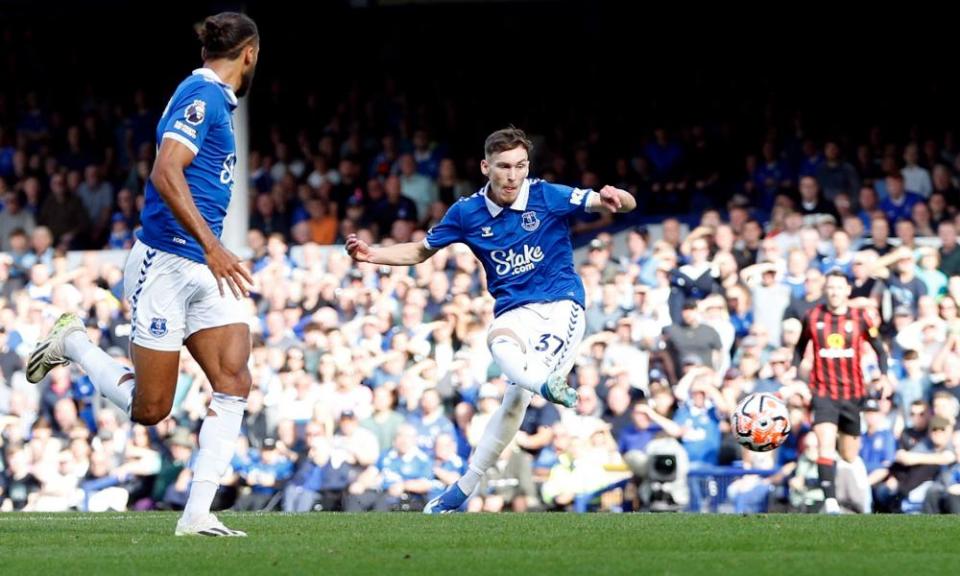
200, 499
104, 371
218, 440
529, 374
501, 429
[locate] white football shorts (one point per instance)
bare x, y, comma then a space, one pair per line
172, 297
551, 331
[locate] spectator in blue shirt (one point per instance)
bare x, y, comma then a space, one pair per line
638, 242
878, 447
700, 424
447, 465
841, 256
899, 201
429, 421
407, 473
812, 158
400, 480
265, 476
306, 488
771, 177
944, 496
426, 154
869, 202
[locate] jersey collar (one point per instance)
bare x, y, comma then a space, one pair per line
520, 204
213, 77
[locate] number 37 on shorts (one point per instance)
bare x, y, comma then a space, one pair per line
549, 343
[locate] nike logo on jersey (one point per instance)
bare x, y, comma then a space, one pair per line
512, 263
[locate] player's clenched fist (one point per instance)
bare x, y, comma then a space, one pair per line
358, 249
610, 197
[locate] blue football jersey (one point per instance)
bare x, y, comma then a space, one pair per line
525, 248
199, 116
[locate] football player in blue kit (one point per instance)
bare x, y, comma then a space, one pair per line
183, 285
518, 228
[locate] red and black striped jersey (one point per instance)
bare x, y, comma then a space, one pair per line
838, 341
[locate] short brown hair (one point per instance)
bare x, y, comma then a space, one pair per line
837, 273
506, 139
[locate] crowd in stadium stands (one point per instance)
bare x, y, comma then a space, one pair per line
372, 384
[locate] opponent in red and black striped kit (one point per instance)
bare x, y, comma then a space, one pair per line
838, 340
837, 334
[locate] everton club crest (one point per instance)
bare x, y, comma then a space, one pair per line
158, 327
529, 221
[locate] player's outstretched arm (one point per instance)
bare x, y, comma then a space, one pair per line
406, 254
167, 175
612, 199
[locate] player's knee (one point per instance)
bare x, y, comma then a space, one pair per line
235, 381
149, 415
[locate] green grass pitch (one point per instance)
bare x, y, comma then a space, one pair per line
460, 545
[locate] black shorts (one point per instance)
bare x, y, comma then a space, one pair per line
844, 413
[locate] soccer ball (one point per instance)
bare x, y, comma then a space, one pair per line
761, 422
